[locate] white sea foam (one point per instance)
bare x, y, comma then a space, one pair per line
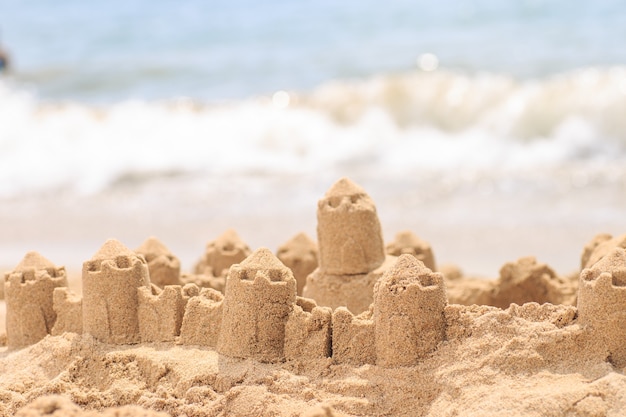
394, 125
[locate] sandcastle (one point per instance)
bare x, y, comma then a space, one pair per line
203, 346
110, 282
29, 292
351, 249
300, 255
164, 267
386, 313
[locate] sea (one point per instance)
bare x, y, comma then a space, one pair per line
493, 130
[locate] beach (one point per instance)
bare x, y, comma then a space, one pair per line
355, 209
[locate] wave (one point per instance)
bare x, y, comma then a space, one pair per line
391, 125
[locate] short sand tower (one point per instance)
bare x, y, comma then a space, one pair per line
28, 291
409, 302
228, 249
164, 267
110, 281
602, 304
407, 242
351, 249
260, 294
300, 255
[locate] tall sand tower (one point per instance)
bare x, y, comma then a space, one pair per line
351, 249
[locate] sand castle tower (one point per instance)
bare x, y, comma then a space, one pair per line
260, 295
407, 242
408, 317
29, 292
602, 303
351, 249
110, 281
164, 267
228, 249
300, 255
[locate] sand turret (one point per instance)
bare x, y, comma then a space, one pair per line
348, 231
300, 255
110, 281
28, 291
260, 294
220, 254
602, 304
409, 302
351, 249
164, 267
407, 242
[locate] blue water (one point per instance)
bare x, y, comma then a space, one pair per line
210, 50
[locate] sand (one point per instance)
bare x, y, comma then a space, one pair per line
422, 339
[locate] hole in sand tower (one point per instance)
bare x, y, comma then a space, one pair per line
334, 202
122, 262
426, 280
619, 278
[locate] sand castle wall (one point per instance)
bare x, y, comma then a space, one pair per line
260, 295
602, 303
28, 291
353, 337
69, 310
203, 319
308, 331
160, 312
110, 302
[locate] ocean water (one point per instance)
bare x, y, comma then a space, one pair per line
456, 115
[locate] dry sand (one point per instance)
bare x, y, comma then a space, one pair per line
431, 341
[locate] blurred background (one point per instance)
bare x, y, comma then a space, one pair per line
493, 130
